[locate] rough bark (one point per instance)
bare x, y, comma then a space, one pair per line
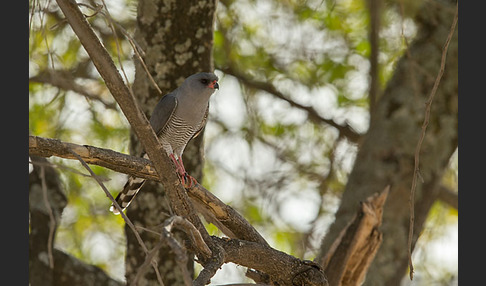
176, 37
177, 196
352, 252
248, 248
282, 268
386, 155
228, 220
47, 265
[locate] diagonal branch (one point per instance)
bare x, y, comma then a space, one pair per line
137, 119
44, 179
247, 247
64, 80
346, 130
125, 218
227, 219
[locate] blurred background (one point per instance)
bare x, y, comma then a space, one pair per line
284, 129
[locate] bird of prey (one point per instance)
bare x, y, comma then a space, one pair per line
176, 119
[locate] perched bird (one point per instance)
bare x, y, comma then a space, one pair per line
176, 119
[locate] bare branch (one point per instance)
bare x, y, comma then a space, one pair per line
231, 222
346, 130
66, 267
167, 238
64, 80
428, 106
125, 218
186, 226
137, 119
119, 162
282, 268
228, 220
211, 268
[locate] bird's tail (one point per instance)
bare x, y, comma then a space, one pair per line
128, 193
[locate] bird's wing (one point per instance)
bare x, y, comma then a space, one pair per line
163, 112
203, 123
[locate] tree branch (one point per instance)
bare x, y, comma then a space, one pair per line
137, 119
449, 197
346, 130
214, 210
228, 220
167, 238
119, 162
64, 80
282, 268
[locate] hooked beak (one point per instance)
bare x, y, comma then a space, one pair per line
214, 85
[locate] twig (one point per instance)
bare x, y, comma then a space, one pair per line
117, 206
52, 221
184, 225
145, 68
166, 237
346, 130
228, 220
63, 80
70, 169
112, 27
416, 172
130, 108
146, 264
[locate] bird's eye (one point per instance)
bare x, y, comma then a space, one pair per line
204, 81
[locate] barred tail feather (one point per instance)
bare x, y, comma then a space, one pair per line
128, 193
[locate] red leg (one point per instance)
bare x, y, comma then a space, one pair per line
182, 173
181, 164
179, 168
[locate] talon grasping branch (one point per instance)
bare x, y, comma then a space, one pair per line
177, 118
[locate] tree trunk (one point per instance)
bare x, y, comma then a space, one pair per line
386, 154
177, 38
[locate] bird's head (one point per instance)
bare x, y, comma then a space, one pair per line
205, 79
198, 87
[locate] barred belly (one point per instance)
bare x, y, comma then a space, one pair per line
177, 134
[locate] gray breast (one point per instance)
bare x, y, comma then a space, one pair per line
177, 134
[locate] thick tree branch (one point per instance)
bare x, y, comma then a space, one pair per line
346, 130
228, 220
282, 268
136, 166
137, 119
218, 213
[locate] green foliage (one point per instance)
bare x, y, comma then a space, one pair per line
315, 53
55, 112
